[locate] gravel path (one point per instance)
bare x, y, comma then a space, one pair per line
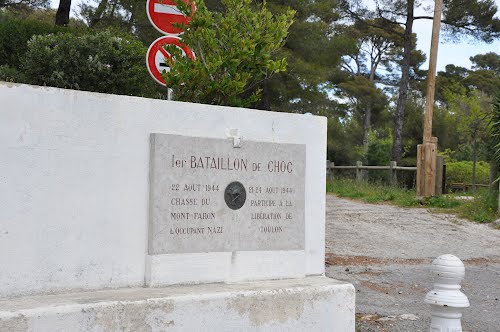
386, 252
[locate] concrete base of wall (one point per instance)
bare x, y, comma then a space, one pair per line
307, 304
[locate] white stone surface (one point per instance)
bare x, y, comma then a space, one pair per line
74, 186
310, 304
224, 266
446, 299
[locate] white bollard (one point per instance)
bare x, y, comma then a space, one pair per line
446, 299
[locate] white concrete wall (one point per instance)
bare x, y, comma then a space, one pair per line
74, 182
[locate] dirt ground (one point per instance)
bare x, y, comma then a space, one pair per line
386, 253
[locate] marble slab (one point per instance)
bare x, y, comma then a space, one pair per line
206, 195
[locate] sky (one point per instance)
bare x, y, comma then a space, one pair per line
449, 52
457, 53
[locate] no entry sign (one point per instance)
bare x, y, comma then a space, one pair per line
158, 60
164, 15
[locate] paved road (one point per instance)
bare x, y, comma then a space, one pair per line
386, 252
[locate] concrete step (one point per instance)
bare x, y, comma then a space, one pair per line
307, 304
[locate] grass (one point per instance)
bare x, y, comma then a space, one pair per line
482, 209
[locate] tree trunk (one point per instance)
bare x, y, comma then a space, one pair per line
266, 105
366, 129
367, 120
62, 14
373, 70
493, 174
113, 8
133, 13
397, 146
98, 13
474, 161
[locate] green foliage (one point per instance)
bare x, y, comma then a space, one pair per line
99, 61
464, 152
363, 94
445, 127
482, 209
24, 4
9, 74
494, 128
341, 138
470, 110
488, 61
473, 18
126, 15
312, 51
42, 15
487, 81
462, 117
461, 172
441, 202
412, 129
461, 17
372, 193
379, 151
378, 154
458, 80
233, 51
379, 45
448, 155
14, 35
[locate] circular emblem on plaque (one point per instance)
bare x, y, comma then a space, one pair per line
235, 195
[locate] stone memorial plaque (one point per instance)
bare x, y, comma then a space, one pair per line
206, 195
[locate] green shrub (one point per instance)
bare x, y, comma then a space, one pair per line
378, 154
14, 35
10, 74
98, 61
461, 172
483, 208
441, 202
372, 193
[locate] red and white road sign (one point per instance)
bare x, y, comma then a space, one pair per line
158, 59
164, 14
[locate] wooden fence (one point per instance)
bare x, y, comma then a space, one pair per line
392, 168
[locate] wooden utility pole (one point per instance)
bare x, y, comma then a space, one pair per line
427, 152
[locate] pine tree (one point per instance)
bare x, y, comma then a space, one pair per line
460, 17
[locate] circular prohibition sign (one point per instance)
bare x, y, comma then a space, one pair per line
159, 60
165, 16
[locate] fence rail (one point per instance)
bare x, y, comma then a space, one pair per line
376, 168
392, 168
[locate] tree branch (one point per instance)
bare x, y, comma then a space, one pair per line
465, 27
424, 17
204, 62
357, 17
